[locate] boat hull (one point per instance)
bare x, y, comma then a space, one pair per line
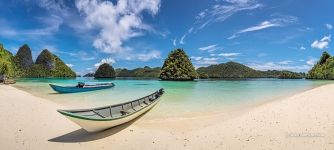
74, 89
92, 125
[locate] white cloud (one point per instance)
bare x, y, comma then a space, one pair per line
106, 60
302, 48
182, 39
174, 41
82, 55
204, 61
142, 56
54, 5
229, 54
209, 48
321, 44
90, 70
196, 58
117, 22
311, 61
276, 66
190, 30
50, 26
207, 62
329, 26
148, 56
285, 62
220, 12
279, 21
210, 59
70, 65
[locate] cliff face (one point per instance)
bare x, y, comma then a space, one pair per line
49, 65
46, 59
23, 57
22, 65
178, 67
105, 71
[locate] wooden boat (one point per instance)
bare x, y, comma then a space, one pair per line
98, 119
81, 87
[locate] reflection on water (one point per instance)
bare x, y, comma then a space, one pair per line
180, 98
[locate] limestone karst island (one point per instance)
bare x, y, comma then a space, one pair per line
166, 75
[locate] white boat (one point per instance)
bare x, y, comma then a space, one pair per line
102, 118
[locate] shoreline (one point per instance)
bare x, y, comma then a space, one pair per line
278, 124
186, 110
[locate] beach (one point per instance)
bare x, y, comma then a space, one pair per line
301, 121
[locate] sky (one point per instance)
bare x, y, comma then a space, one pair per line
262, 34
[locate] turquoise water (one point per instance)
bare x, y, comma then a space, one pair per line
180, 99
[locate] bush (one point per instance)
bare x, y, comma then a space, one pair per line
105, 71
178, 67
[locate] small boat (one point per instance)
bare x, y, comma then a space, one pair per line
82, 87
102, 118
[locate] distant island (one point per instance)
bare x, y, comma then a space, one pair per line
236, 70
22, 65
105, 70
177, 66
145, 72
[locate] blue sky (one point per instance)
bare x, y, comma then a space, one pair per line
262, 34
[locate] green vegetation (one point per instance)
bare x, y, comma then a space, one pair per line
7, 67
145, 72
105, 71
89, 75
323, 69
178, 67
290, 75
46, 60
47, 64
229, 70
23, 58
236, 70
203, 75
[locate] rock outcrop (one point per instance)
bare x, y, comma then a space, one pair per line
105, 71
178, 67
23, 57
46, 59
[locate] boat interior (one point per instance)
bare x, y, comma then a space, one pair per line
82, 84
119, 110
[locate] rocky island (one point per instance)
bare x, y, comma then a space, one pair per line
22, 65
178, 67
105, 71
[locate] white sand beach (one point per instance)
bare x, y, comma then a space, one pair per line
302, 121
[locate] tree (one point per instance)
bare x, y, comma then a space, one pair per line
324, 69
324, 57
178, 67
105, 71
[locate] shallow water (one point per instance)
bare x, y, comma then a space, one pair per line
180, 98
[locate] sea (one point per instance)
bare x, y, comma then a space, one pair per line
181, 98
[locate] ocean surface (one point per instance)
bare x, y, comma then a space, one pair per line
180, 98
